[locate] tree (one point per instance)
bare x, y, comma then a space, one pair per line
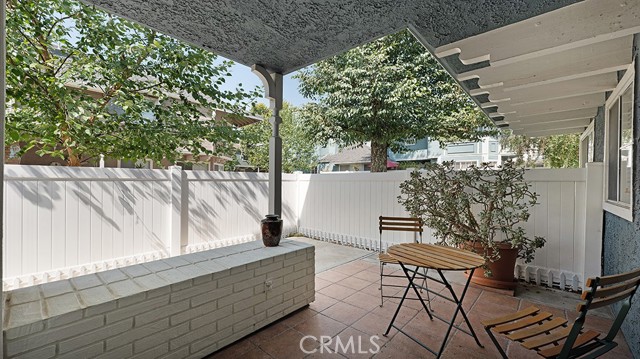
81, 83
558, 151
562, 151
298, 154
384, 92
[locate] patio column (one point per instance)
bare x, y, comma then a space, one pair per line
3, 100
272, 82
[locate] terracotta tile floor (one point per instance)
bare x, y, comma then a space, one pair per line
347, 306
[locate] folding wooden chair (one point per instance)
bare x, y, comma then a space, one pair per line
541, 332
406, 224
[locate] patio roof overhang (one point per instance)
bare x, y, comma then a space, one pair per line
539, 67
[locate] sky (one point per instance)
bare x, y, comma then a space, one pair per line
241, 74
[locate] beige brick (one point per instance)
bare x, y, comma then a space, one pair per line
235, 297
64, 319
193, 291
279, 308
268, 268
193, 335
178, 354
137, 333
162, 312
94, 336
100, 309
280, 273
239, 269
193, 313
233, 279
21, 331
86, 352
241, 325
159, 350
249, 283
132, 299
295, 260
294, 293
159, 338
249, 302
211, 296
136, 309
302, 265
122, 352
235, 318
271, 302
293, 276
209, 343
301, 282
52, 335
42, 353
211, 317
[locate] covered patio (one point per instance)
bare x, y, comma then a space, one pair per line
538, 67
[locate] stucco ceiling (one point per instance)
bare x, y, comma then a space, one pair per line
538, 66
285, 35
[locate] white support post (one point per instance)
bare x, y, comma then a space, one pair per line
178, 224
272, 82
594, 217
3, 101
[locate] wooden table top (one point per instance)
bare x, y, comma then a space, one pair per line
435, 257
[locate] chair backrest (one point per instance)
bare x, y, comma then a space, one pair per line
405, 224
600, 292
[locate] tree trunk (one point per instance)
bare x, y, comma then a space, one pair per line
73, 160
378, 157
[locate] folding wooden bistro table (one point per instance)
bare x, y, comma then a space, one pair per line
438, 258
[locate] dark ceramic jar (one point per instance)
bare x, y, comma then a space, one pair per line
271, 230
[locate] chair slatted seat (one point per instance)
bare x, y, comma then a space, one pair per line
402, 224
554, 337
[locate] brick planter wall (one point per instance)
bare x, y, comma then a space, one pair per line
187, 306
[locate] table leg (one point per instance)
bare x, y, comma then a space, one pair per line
406, 272
459, 309
406, 291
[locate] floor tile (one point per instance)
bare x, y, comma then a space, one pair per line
344, 313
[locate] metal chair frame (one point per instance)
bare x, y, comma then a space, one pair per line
405, 224
600, 292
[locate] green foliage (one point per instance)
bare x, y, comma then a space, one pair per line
81, 83
558, 151
386, 91
298, 154
562, 151
479, 204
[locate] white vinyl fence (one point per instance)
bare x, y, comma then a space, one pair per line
344, 207
62, 222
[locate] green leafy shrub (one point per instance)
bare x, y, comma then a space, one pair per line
476, 205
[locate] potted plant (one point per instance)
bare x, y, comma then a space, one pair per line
480, 209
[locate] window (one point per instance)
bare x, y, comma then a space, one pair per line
463, 165
410, 142
587, 146
619, 148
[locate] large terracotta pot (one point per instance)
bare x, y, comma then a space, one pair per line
502, 270
271, 228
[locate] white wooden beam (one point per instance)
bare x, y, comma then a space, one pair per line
553, 117
550, 132
560, 125
550, 106
572, 26
603, 57
557, 90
